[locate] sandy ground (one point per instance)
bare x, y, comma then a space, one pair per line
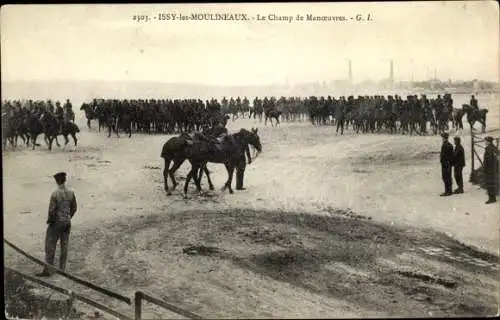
378, 195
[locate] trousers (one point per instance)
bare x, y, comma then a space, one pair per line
240, 172
447, 179
57, 232
457, 172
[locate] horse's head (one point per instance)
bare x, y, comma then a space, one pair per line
252, 138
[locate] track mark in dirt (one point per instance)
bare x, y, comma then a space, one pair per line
347, 212
147, 166
201, 250
429, 279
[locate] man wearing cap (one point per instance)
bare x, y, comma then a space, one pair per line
490, 165
458, 165
62, 208
446, 164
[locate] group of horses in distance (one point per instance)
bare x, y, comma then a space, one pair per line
30, 120
390, 114
393, 114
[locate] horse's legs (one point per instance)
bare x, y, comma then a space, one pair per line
50, 142
207, 173
188, 178
109, 131
171, 171
73, 135
88, 123
230, 171
57, 142
66, 140
165, 175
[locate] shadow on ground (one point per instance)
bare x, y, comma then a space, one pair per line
380, 268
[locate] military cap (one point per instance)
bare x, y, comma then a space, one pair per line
445, 135
456, 138
489, 138
60, 175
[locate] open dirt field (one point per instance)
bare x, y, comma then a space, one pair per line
329, 226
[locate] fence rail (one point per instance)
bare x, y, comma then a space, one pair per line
72, 294
71, 277
140, 296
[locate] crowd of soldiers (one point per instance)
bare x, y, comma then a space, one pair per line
362, 114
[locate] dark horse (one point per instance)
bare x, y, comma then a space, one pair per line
52, 128
89, 113
272, 114
176, 149
173, 150
229, 153
474, 115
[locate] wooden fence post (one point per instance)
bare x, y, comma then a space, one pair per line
138, 310
472, 175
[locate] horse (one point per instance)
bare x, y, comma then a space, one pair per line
272, 114
52, 128
89, 113
174, 151
8, 132
456, 118
199, 152
474, 115
34, 128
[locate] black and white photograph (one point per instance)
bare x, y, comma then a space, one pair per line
251, 160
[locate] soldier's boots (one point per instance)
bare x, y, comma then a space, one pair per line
458, 191
491, 200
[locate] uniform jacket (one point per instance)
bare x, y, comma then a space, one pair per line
447, 155
459, 156
490, 163
62, 206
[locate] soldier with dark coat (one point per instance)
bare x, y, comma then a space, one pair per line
446, 164
240, 168
458, 165
490, 163
473, 102
62, 208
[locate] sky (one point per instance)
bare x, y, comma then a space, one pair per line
459, 39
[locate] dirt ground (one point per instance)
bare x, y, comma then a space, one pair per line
329, 226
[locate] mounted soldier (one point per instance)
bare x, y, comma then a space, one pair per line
59, 115
474, 103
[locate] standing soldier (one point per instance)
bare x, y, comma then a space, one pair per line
62, 208
490, 170
458, 165
240, 169
446, 164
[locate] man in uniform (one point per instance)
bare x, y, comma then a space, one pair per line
490, 170
240, 168
458, 165
59, 113
473, 102
446, 164
62, 208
